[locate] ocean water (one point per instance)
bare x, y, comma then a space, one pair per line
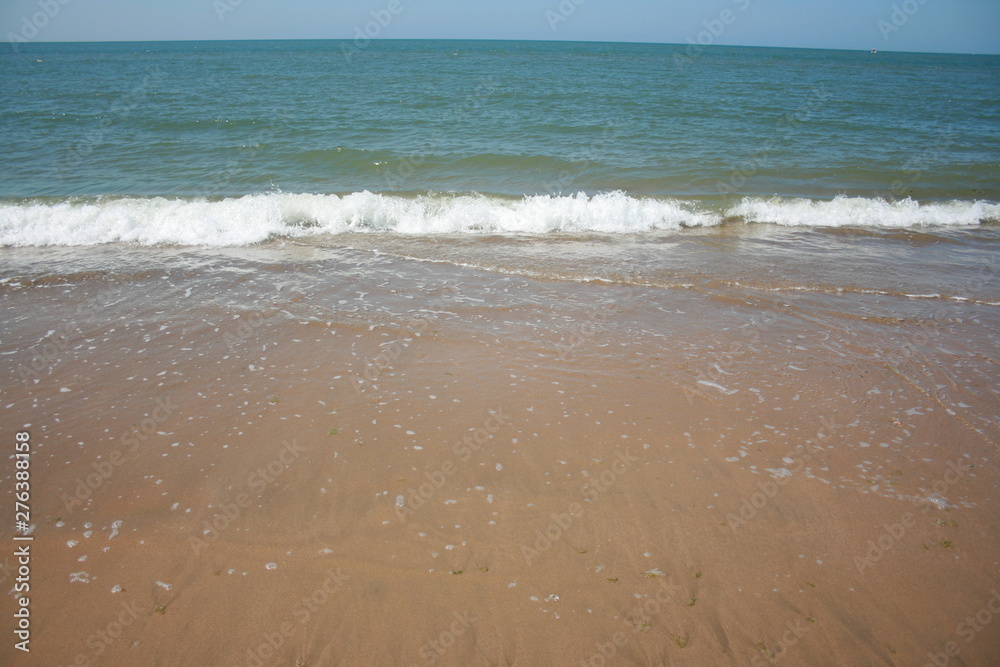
641, 164
230, 143
708, 262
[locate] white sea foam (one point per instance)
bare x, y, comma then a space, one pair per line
862, 212
255, 218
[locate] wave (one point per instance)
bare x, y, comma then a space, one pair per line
256, 218
863, 212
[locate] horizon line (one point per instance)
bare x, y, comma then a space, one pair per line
466, 39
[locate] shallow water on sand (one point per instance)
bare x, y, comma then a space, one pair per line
694, 463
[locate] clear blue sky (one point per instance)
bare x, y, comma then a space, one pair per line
963, 26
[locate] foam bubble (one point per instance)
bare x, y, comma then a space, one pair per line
862, 212
255, 218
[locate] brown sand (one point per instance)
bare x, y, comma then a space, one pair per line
615, 511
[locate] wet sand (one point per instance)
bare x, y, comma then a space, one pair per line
416, 468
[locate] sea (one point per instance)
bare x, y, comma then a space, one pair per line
387, 332
162, 143
665, 167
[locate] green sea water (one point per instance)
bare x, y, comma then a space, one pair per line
114, 141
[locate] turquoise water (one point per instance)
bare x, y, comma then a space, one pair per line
131, 141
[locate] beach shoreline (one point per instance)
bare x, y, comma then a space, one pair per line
414, 463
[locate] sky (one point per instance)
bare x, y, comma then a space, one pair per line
957, 26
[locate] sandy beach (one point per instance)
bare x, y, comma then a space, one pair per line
423, 465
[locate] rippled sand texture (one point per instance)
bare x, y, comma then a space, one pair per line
359, 460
